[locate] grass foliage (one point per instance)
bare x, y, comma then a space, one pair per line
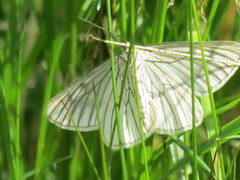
44, 45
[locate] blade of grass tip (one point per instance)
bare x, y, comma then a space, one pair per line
194, 129
5, 134
210, 19
159, 21
123, 23
218, 165
56, 49
104, 160
82, 140
115, 93
145, 174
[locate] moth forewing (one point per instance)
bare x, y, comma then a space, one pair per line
164, 85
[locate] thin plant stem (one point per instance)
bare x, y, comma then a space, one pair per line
159, 21
57, 45
194, 129
115, 94
213, 109
103, 156
5, 133
210, 19
123, 17
132, 51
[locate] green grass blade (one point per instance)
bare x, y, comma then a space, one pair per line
104, 159
5, 134
56, 49
123, 18
145, 174
194, 130
115, 94
159, 21
209, 24
213, 111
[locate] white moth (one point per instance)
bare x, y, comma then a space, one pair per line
164, 83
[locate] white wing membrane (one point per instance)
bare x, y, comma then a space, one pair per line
216, 53
171, 99
76, 103
166, 76
164, 85
78, 100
